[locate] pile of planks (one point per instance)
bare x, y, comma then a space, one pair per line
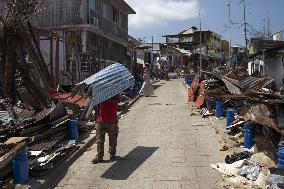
26, 107
255, 98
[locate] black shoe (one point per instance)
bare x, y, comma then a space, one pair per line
112, 157
96, 161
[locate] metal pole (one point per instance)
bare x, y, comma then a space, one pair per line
230, 32
200, 38
245, 31
152, 52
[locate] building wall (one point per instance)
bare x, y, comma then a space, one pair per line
74, 12
63, 12
273, 68
100, 26
111, 17
225, 48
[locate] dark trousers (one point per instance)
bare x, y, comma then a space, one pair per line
101, 130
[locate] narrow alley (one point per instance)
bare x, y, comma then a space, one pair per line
160, 146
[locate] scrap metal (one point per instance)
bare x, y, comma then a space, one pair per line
26, 107
107, 83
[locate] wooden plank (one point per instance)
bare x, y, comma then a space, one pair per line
51, 58
10, 68
35, 59
35, 90
15, 140
39, 54
78, 68
8, 157
57, 62
2, 64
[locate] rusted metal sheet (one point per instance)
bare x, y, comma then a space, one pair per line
199, 101
69, 98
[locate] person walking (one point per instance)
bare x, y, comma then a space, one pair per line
107, 122
147, 88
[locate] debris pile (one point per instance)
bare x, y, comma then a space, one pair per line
29, 107
255, 100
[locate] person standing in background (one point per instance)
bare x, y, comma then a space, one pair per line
147, 88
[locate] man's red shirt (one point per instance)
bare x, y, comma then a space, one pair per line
107, 112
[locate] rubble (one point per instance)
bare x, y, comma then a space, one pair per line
256, 101
29, 106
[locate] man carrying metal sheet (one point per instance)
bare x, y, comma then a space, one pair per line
106, 122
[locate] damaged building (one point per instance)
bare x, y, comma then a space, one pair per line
94, 35
270, 55
188, 43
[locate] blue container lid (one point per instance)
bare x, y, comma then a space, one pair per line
248, 126
231, 110
281, 151
219, 102
73, 122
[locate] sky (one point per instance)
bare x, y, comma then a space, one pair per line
159, 17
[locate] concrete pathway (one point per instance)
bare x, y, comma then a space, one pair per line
160, 146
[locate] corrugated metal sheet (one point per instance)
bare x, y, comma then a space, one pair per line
246, 84
109, 82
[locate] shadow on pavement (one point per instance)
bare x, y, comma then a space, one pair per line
156, 86
125, 166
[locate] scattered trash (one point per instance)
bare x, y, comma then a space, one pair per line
236, 157
274, 179
250, 170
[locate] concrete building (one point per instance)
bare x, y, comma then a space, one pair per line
189, 40
133, 44
95, 35
225, 48
238, 55
173, 55
144, 55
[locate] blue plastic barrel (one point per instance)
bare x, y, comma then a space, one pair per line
281, 158
21, 167
230, 115
219, 109
188, 81
249, 135
73, 129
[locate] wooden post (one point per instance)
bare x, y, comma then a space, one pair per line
72, 65
38, 53
10, 68
2, 64
51, 58
78, 68
57, 62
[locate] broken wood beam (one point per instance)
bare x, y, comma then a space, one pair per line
57, 62
10, 66
6, 159
37, 48
51, 58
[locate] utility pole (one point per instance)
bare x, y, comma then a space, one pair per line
200, 38
245, 31
151, 66
230, 31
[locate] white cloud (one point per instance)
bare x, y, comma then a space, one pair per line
153, 13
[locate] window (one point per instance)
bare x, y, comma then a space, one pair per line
93, 5
104, 10
124, 21
114, 15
